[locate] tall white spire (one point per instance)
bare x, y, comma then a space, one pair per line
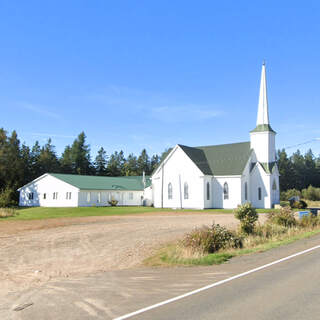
263, 114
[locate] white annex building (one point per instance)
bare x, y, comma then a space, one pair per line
222, 176
71, 190
219, 176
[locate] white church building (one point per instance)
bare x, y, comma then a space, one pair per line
222, 176
218, 176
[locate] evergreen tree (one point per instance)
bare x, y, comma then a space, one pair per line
143, 163
165, 153
310, 169
115, 166
3, 162
155, 160
66, 161
131, 166
286, 170
101, 162
48, 161
80, 155
298, 164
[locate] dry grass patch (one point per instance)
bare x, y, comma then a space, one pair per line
7, 212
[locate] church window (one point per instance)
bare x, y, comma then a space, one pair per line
225, 191
186, 190
208, 191
274, 185
259, 194
170, 191
246, 191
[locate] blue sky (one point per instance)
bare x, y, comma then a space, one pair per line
135, 74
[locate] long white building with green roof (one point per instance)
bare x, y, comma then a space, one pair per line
222, 176
70, 190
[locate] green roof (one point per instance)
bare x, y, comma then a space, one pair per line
220, 160
103, 183
263, 128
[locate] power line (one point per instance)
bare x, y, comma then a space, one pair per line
303, 143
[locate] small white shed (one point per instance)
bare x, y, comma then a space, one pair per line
70, 190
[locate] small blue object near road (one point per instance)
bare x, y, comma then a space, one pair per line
303, 213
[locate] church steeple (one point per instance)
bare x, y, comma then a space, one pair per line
263, 114
263, 123
263, 137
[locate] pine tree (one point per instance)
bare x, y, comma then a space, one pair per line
286, 170
131, 166
66, 161
48, 161
80, 155
143, 163
101, 162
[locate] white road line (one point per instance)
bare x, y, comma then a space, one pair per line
215, 284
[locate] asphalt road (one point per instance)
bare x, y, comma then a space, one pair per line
288, 290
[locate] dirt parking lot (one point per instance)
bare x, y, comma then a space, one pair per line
32, 252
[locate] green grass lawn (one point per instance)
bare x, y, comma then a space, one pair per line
47, 213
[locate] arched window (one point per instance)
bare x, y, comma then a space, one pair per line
225, 191
245, 191
169, 191
259, 193
208, 191
274, 185
186, 190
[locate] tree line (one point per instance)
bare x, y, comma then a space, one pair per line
20, 164
298, 171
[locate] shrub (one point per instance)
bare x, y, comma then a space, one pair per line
269, 230
309, 221
284, 217
298, 204
311, 193
247, 216
7, 212
6, 198
284, 204
285, 195
211, 239
113, 202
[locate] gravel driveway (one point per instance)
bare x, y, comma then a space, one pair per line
35, 251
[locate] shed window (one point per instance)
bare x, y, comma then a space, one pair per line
68, 195
170, 191
208, 191
186, 190
30, 196
55, 195
259, 193
246, 191
44, 196
225, 191
130, 195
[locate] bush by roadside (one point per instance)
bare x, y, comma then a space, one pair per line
7, 212
248, 217
211, 239
217, 244
284, 217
